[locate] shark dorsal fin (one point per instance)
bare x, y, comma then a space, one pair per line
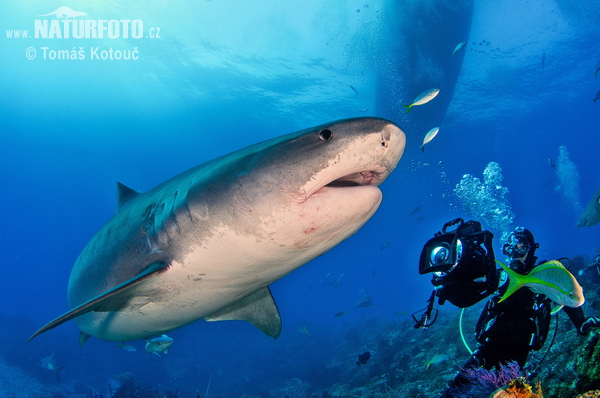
124, 195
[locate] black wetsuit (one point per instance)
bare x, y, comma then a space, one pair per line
510, 330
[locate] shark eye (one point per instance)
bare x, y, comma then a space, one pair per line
325, 135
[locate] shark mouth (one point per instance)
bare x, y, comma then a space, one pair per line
371, 178
359, 179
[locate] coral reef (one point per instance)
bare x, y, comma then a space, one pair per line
518, 388
587, 364
483, 381
15, 384
131, 389
404, 362
590, 394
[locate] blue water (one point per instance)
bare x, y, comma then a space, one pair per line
221, 75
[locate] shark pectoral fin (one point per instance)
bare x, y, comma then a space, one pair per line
259, 309
112, 300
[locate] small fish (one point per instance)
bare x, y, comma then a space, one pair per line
385, 245
423, 98
597, 97
328, 275
543, 59
303, 329
551, 279
159, 344
437, 358
51, 364
415, 210
363, 358
126, 347
552, 164
429, 136
364, 302
597, 69
459, 47
339, 280
379, 382
339, 314
353, 89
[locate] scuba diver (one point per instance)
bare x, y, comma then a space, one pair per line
461, 260
509, 330
592, 270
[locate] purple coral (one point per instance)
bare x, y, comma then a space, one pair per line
482, 381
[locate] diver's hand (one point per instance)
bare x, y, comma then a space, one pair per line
591, 322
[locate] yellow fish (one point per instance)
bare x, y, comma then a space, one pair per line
551, 279
429, 136
459, 47
423, 98
437, 358
303, 329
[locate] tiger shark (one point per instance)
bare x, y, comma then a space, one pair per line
591, 214
207, 243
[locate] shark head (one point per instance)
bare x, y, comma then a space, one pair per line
209, 241
308, 190
591, 213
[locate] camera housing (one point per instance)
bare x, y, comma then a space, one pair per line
462, 263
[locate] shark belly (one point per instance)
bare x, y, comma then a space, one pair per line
230, 266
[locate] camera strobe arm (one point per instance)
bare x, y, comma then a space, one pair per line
428, 314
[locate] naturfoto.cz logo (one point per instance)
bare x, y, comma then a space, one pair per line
70, 24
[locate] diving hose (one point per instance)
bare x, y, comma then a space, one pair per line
462, 335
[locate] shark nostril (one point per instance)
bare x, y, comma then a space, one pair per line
386, 136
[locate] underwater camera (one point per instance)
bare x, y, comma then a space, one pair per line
462, 263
